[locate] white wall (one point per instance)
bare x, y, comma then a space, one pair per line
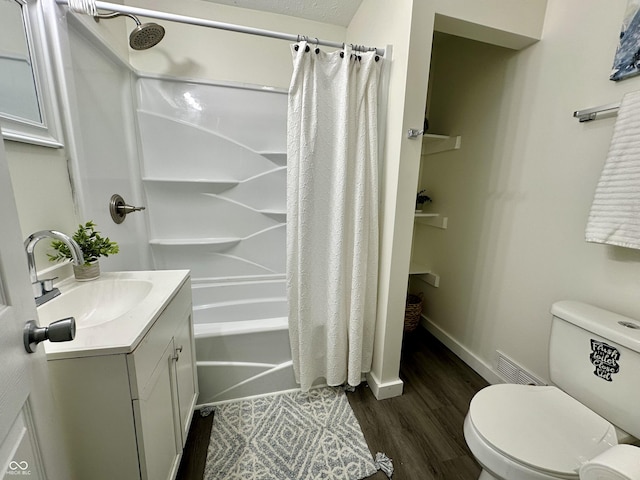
105, 152
375, 25
40, 175
42, 191
409, 27
206, 53
518, 192
508, 24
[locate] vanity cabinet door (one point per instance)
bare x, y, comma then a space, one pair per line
155, 428
185, 375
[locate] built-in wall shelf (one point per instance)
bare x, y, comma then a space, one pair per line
275, 214
279, 158
211, 186
432, 219
417, 269
228, 183
424, 273
432, 143
219, 243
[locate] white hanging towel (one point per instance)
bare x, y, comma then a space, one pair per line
332, 214
615, 212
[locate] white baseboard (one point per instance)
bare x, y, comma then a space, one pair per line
386, 390
480, 367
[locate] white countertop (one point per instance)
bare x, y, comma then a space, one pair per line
123, 333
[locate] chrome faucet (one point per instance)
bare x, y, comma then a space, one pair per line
43, 290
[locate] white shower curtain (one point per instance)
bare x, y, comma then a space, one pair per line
332, 214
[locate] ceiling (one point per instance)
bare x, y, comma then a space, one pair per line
335, 12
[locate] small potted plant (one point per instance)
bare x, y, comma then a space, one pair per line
421, 199
93, 246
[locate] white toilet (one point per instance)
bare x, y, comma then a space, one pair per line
523, 432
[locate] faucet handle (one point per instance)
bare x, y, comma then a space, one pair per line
47, 284
43, 286
38, 289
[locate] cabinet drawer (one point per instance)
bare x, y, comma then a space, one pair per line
144, 359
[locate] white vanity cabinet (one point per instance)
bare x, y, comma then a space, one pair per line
126, 415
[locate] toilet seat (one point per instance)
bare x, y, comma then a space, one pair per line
539, 428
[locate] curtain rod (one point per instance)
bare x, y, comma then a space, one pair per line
172, 17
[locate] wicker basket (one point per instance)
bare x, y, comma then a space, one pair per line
412, 311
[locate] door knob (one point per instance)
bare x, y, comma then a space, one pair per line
59, 331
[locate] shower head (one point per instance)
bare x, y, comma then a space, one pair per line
145, 35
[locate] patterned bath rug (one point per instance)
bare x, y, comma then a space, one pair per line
292, 436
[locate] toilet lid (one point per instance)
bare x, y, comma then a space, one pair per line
541, 427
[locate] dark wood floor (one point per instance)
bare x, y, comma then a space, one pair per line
421, 430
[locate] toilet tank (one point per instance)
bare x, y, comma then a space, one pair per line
594, 356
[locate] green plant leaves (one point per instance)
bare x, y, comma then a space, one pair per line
91, 243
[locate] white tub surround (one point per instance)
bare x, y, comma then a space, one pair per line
206, 159
214, 174
240, 361
242, 339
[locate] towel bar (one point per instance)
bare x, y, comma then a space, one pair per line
589, 114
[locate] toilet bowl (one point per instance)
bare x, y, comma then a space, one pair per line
526, 432
521, 432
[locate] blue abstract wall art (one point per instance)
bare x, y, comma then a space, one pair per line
626, 63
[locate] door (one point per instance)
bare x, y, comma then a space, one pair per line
185, 375
30, 447
155, 426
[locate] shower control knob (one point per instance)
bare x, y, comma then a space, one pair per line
119, 209
126, 209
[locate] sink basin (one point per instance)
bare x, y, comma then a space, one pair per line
96, 302
113, 313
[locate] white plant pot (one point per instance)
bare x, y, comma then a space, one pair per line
86, 272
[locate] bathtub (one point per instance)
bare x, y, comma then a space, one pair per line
242, 339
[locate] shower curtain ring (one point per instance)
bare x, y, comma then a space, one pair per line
317, 46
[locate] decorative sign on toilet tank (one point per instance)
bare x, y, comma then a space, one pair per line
605, 358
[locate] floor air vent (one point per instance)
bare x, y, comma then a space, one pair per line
514, 373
